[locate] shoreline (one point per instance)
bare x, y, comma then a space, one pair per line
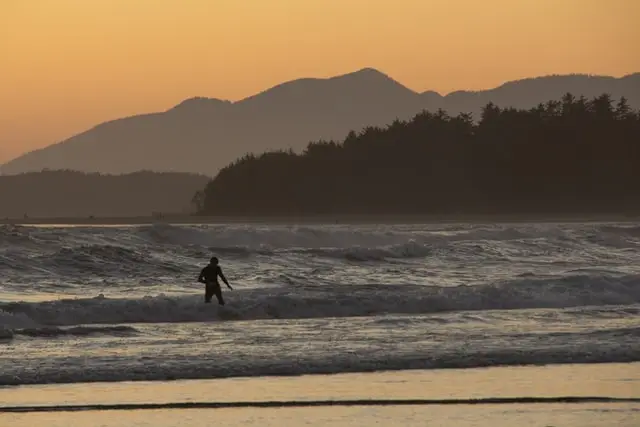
525, 381
499, 397
321, 219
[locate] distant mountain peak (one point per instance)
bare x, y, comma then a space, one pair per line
364, 71
368, 73
360, 78
199, 102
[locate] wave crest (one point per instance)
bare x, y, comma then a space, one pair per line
292, 302
285, 365
77, 331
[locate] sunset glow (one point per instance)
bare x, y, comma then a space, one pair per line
67, 65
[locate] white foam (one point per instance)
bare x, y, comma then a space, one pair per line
76, 370
330, 301
72, 252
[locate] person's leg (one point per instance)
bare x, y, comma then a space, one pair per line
208, 292
218, 291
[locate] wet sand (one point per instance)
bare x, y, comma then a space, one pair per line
604, 380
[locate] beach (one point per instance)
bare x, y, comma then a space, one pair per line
516, 383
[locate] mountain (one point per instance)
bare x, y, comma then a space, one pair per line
201, 135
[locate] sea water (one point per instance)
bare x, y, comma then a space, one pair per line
115, 303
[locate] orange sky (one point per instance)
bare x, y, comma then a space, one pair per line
66, 65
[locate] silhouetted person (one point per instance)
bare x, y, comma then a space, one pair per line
209, 276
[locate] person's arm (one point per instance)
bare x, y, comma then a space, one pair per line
224, 279
201, 276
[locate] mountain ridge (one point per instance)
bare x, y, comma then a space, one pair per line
202, 134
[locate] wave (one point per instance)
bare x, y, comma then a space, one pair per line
321, 236
285, 365
86, 258
275, 237
105, 249
282, 237
631, 230
78, 331
20, 324
269, 238
14, 234
89, 253
411, 249
296, 301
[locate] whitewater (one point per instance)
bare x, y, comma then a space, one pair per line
121, 303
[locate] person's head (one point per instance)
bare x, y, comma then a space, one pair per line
214, 261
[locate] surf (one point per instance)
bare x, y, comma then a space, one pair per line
298, 301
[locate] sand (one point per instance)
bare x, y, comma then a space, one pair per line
605, 380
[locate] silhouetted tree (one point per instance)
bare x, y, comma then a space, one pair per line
573, 155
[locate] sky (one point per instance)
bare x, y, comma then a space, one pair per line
67, 65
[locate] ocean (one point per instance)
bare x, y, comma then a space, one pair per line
82, 304
87, 304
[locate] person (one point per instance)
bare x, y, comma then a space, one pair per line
209, 276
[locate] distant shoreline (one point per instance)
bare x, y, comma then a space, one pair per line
319, 219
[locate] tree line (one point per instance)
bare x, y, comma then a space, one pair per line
573, 155
67, 193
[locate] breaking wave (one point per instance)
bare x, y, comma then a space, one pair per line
110, 251
335, 364
77, 331
287, 237
296, 301
74, 252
